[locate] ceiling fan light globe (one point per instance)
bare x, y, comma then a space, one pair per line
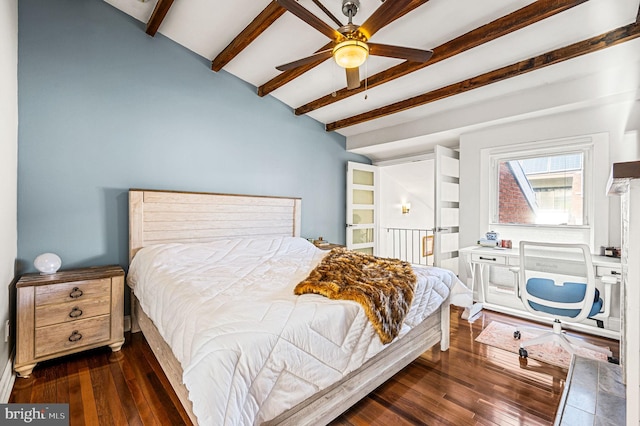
350, 53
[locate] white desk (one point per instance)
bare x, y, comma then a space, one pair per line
485, 263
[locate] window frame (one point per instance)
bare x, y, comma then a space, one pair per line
584, 146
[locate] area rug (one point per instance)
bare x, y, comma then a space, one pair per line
501, 336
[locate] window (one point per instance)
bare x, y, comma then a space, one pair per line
541, 187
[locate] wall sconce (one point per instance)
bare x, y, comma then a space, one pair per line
406, 207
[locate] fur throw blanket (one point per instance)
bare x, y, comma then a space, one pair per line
384, 287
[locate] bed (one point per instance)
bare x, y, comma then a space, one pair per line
185, 227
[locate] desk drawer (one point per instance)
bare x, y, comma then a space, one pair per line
603, 271
489, 258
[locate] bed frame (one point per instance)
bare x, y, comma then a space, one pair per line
171, 216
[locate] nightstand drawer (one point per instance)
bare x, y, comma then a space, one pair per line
64, 337
72, 311
73, 291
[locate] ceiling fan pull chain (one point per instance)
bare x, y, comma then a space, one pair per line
366, 80
334, 78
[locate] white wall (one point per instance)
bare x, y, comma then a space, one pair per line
408, 182
8, 158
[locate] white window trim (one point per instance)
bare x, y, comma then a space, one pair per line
597, 209
547, 149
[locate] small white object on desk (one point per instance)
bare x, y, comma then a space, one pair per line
487, 243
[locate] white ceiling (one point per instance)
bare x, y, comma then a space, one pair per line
207, 27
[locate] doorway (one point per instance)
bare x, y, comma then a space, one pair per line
407, 211
414, 209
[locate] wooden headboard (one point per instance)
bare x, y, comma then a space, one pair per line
171, 216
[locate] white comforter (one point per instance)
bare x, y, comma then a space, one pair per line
250, 348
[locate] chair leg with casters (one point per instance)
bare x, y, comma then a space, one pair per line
522, 351
558, 337
523, 357
582, 344
517, 335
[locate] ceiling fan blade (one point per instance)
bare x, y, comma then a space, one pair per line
407, 53
311, 19
388, 12
353, 78
324, 55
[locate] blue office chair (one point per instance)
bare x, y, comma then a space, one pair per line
557, 281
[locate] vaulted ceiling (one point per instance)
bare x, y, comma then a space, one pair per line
483, 50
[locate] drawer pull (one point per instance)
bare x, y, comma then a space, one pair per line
75, 336
75, 312
75, 293
493, 259
615, 273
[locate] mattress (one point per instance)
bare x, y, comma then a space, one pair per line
249, 348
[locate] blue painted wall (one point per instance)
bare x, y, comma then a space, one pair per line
103, 107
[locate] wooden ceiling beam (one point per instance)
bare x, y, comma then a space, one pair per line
157, 16
263, 21
287, 76
514, 21
593, 44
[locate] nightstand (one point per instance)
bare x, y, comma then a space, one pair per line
326, 245
68, 312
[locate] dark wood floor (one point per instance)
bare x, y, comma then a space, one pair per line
471, 384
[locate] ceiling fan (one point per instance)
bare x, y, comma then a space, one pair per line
351, 46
